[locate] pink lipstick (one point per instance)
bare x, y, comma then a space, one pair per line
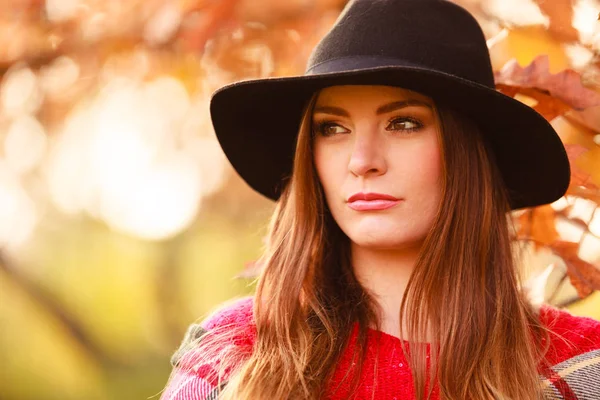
371, 201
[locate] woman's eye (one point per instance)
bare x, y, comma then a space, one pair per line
404, 124
329, 129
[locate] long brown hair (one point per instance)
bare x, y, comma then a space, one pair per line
465, 290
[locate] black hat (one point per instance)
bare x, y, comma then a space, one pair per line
433, 47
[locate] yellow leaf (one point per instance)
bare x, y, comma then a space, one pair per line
590, 163
525, 44
572, 132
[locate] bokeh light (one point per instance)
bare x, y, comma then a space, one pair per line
119, 157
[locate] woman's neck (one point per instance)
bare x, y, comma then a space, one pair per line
385, 274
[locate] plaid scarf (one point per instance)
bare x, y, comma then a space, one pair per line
574, 373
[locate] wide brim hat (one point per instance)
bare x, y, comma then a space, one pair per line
433, 47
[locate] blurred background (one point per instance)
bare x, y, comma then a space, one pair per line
121, 221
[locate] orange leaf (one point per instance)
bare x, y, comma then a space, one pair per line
582, 289
586, 193
550, 107
590, 163
538, 224
560, 13
584, 276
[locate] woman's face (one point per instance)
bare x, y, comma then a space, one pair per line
377, 155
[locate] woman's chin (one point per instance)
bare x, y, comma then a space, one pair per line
379, 239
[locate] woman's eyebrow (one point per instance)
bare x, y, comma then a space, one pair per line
386, 108
331, 110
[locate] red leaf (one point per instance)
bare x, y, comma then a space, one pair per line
550, 107
565, 86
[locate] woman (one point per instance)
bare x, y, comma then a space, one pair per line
388, 273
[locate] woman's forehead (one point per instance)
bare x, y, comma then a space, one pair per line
365, 93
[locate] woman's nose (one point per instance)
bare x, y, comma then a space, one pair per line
367, 156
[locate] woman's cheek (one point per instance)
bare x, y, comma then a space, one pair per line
329, 165
432, 174
426, 160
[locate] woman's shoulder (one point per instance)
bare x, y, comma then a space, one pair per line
571, 335
573, 355
236, 314
195, 376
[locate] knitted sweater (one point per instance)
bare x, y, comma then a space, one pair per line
574, 356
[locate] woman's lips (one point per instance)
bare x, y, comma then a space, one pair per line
371, 201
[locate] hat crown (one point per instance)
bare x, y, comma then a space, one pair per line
431, 34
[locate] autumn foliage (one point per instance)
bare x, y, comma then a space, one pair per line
110, 246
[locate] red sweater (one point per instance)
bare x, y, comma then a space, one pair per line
575, 374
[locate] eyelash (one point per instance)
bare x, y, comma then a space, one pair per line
319, 128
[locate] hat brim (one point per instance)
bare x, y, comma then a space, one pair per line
257, 122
